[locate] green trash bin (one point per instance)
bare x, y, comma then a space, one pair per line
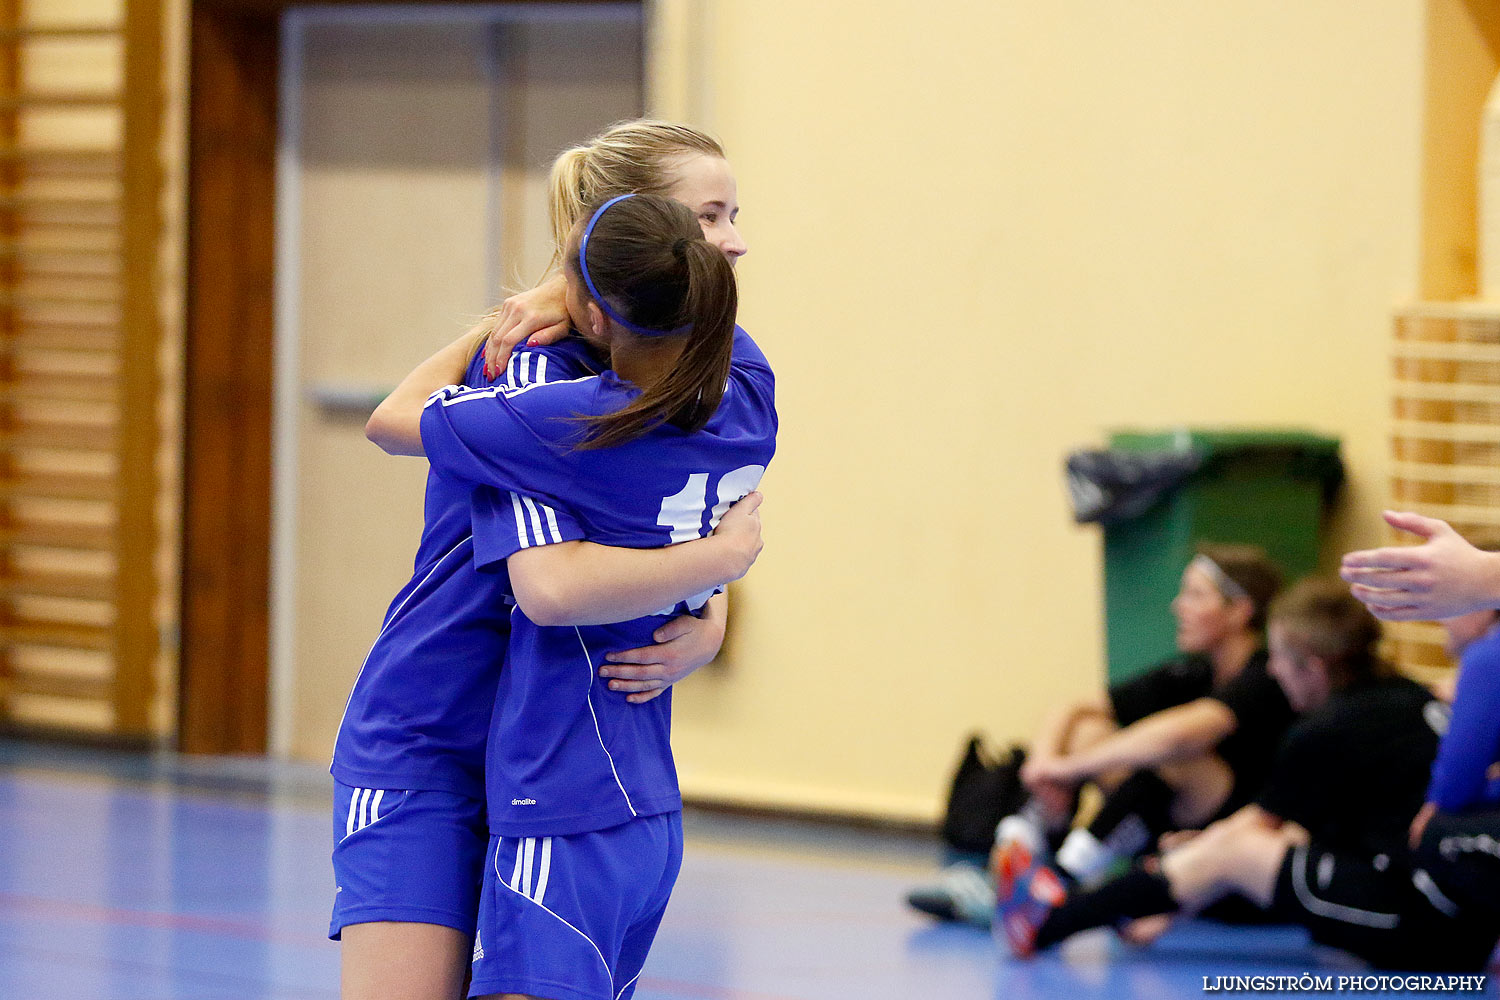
1269, 488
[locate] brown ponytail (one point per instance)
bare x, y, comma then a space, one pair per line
652, 267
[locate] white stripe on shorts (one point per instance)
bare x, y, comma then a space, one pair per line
627, 986
607, 971
543, 869
353, 813
526, 866
515, 875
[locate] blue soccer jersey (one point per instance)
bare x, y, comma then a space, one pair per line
566, 754
420, 709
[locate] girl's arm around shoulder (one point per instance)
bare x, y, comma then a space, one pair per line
580, 583
538, 316
396, 423
520, 440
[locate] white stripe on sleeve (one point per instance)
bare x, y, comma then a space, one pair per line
459, 394
552, 522
515, 503
440, 394
536, 520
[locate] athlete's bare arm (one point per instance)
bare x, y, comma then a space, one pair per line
580, 583
1175, 734
396, 424
1070, 730
1055, 739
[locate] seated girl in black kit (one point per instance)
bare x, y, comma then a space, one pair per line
1174, 747
1324, 845
1197, 731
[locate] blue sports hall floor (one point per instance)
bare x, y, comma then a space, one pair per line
150, 876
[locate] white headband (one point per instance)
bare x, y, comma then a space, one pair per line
1227, 587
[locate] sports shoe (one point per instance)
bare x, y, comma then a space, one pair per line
1020, 847
1026, 892
961, 894
1024, 833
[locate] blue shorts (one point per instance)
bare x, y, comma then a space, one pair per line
409, 856
572, 918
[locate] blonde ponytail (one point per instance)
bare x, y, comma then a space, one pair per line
565, 185
636, 156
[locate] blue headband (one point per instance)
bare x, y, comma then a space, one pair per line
583, 266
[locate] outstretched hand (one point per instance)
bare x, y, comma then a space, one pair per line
1443, 577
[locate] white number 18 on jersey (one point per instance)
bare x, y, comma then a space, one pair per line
682, 512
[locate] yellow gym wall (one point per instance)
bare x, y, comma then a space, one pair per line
983, 234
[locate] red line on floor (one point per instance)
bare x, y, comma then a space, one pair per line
194, 923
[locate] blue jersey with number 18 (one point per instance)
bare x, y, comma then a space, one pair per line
567, 755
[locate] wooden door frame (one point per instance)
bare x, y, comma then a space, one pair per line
224, 660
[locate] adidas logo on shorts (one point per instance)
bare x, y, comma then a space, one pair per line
478, 947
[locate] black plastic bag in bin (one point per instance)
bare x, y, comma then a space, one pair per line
1108, 487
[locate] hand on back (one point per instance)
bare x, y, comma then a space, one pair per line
538, 316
